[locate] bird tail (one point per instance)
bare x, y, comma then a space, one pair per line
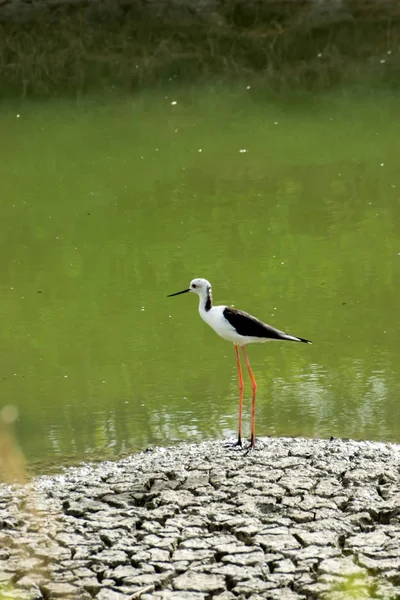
303, 340
293, 338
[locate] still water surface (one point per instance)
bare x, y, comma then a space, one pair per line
290, 208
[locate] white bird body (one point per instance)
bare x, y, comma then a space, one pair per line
216, 320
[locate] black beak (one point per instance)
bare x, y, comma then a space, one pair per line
177, 293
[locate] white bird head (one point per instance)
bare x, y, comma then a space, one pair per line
199, 286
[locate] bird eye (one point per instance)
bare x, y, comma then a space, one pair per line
194, 285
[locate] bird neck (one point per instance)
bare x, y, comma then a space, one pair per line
205, 303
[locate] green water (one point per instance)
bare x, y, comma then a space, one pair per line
290, 208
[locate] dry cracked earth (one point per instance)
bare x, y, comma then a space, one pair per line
297, 518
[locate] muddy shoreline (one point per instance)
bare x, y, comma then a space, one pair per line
297, 518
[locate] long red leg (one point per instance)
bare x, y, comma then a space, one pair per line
253, 400
241, 388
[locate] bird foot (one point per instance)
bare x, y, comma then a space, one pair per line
234, 445
250, 447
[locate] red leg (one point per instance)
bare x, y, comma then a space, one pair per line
253, 400
241, 388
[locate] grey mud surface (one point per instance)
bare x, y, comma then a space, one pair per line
295, 519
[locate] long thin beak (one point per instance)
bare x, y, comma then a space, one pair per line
177, 293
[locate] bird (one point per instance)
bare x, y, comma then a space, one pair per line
240, 328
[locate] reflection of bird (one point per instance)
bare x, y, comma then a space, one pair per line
240, 328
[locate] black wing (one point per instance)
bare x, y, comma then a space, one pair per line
248, 325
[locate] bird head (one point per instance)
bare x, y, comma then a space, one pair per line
198, 286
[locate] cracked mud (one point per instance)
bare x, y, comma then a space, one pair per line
295, 519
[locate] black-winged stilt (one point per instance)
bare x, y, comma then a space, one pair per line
240, 328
